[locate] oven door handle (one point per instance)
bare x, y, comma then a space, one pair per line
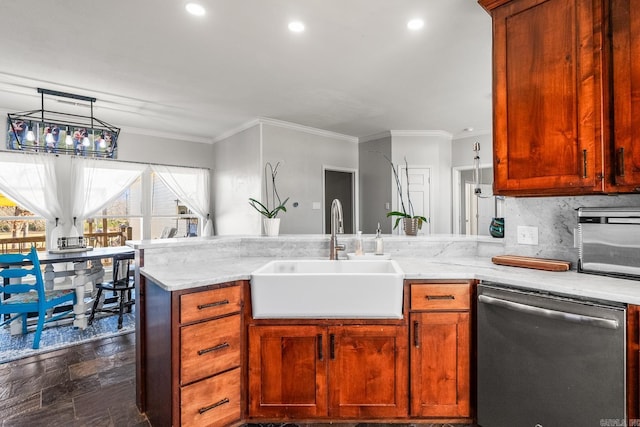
551, 314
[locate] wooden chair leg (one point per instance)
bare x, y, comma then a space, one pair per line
24, 323
121, 311
95, 305
39, 327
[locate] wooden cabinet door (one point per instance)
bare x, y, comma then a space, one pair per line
368, 371
547, 97
625, 145
287, 371
440, 364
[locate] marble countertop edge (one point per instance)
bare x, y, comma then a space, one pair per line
569, 283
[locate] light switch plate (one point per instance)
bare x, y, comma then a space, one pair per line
527, 235
315, 206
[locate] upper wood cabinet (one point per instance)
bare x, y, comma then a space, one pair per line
566, 90
625, 75
547, 96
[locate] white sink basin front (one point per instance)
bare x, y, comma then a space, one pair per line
325, 289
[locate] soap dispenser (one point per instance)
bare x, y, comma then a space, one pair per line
379, 242
359, 244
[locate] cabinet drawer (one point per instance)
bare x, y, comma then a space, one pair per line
209, 347
211, 402
441, 296
207, 304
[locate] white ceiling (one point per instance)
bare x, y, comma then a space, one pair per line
356, 70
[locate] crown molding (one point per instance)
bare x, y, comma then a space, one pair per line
307, 129
480, 132
286, 125
163, 134
392, 133
241, 128
440, 133
379, 135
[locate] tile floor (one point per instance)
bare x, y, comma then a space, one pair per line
91, 384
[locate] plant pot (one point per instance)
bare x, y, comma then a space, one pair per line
271, 226
410, 226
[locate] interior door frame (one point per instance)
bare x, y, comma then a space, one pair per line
456, 181
355, 192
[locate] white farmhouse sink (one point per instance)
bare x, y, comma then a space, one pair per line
323, 289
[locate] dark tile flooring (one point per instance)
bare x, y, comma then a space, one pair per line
90, 384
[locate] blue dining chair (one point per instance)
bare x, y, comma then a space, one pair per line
28, 296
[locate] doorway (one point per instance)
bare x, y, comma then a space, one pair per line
473, 209
340, 184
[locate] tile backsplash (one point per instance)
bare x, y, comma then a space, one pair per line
556, 219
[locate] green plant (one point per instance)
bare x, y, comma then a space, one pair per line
406, 209
266, 209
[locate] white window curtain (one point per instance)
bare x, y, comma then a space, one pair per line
30, 181
192, 187
96, 183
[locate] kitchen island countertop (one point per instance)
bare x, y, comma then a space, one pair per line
570, 283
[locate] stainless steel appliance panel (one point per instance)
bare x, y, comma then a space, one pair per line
548, 361
609, 241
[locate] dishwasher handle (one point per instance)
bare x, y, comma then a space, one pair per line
551, 314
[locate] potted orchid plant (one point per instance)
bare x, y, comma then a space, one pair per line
410, 221
273, 205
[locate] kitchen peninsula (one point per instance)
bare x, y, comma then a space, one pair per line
198, 362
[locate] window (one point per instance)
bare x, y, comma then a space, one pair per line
169, 213
120, 220
19, 228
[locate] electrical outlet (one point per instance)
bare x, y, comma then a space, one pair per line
527, 235
315, 206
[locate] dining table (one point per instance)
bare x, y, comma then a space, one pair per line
79, 269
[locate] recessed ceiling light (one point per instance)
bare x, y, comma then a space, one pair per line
415, 24
296, 26
195, 9
469, 129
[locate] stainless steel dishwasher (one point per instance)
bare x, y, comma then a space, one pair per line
548, 361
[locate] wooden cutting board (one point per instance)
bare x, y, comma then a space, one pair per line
531, 262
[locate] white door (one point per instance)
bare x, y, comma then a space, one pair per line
419, 192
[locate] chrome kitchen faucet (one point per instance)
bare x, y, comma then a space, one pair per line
336, 227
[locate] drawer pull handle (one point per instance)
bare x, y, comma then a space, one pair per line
437, 297
215, 405
214, 348
213, 304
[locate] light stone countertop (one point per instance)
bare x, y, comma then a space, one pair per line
570, 283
